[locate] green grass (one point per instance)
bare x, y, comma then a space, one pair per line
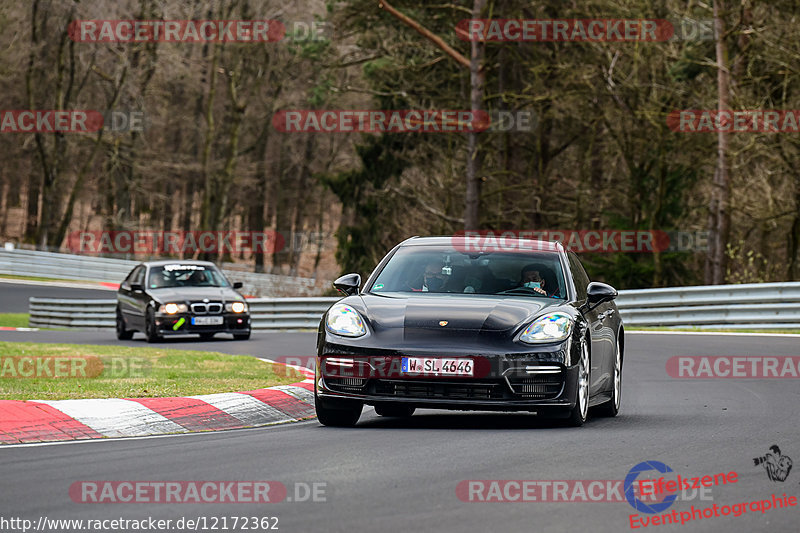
721, 330
130, 372
33, 278
14, 320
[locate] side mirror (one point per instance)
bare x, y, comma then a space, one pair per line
135, 287
238, 285
598, 293
348, 284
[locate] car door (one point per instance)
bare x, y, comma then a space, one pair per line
140, 297
126, 298
601, 333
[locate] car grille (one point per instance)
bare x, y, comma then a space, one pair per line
488, 390
346, 384
212, 308
538, 387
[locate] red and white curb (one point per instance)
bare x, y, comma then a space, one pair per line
60, 420
7, 328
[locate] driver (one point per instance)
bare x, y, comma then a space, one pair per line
198, 277
433, 280
532, 278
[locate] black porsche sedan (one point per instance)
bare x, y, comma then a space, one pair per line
442, 325
178, 297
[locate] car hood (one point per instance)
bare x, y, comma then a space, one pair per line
465, 315
184, 294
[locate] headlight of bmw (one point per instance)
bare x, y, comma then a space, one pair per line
344, 320
548, 328
236, 307
173, 308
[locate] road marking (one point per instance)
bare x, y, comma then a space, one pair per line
717, 333
115, 417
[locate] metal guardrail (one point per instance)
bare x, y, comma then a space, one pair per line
761, 306
750, 305
265, 313
79, 267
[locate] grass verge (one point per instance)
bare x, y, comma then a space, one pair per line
72, 371
14, 320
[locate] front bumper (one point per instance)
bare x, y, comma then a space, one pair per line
181, 324
541, 381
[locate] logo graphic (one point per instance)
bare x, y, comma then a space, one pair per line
443, 323
636, 503
777, 466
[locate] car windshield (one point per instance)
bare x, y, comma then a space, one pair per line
436, 269
183, 275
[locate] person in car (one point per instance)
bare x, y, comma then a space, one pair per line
532, 278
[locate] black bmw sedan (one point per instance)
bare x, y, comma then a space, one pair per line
447, 325
179, 297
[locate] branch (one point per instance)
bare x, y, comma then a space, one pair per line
438, 41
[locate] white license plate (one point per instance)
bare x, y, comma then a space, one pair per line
206, 320
438, 367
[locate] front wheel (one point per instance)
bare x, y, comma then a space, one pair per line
611, 407
338, 413
578, 414
151, 330
393, 410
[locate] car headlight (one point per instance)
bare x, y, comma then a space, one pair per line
236, 307
344, 320
173, 308
548, 328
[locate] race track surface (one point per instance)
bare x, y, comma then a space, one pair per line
390, 475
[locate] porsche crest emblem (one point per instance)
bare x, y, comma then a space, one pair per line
443, 323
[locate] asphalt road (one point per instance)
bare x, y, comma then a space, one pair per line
14, 294
389, 475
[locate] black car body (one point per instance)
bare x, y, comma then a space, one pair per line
481, 317
180, 297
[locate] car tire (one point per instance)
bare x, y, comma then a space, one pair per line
123, 334
241, 336
150, 327
338, 413
611, 407
394, 410
579, 413
207, 336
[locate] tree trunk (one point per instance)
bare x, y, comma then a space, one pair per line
720, 216
477, 80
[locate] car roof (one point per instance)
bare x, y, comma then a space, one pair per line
177, 262
486, 241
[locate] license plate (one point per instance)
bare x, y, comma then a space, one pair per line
206, 320
438, 366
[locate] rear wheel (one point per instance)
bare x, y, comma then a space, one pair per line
151, 330
611, 407
578, 414
241, 336
123, 334
339, 413
394, 410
